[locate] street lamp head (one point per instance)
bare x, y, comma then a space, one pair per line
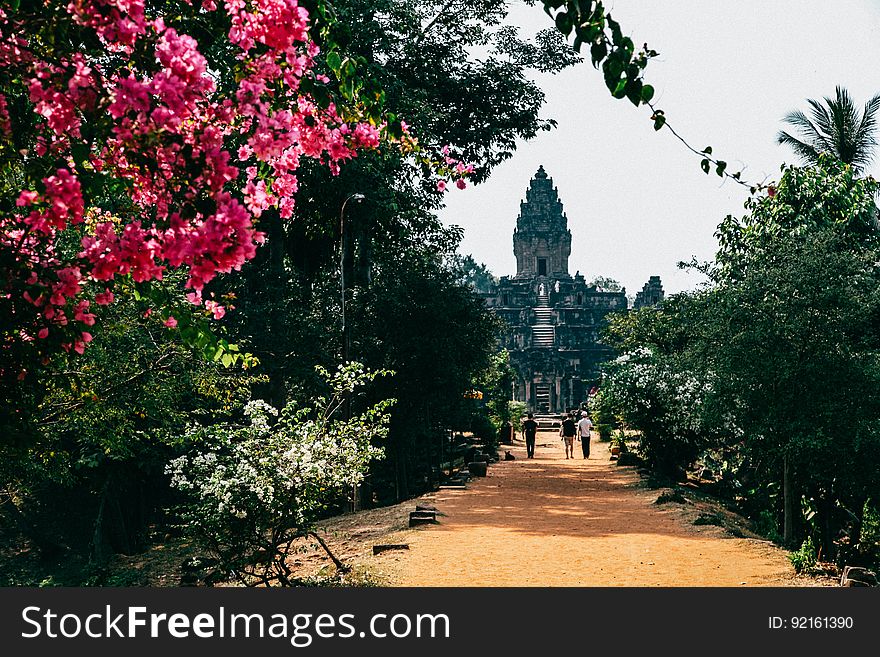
357, 196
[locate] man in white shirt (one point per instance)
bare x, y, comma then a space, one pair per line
584, 427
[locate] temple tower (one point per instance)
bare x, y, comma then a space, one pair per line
541, 240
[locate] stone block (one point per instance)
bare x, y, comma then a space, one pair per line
379, 549
858, 574
417, 519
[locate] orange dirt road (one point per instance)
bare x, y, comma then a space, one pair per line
549, 521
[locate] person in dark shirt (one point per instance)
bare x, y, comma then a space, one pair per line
568, 431
530, 429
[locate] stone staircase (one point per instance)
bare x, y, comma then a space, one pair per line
543, 331
542, 398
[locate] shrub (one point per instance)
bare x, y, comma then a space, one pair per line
253, 489
804, 559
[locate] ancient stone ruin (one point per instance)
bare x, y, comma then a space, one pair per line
553, 318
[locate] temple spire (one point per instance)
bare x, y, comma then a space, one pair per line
541, 241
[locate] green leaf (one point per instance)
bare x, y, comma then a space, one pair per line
634, 92
80, 152
659, 120
564, 23
349, 68
705, 166
707, 150
616, 34
620, 89
228, 360
721, 166
598, 51
647, 93
333, 60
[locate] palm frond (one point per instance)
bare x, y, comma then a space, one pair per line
821, 117
809, 133
807, 152
865, 139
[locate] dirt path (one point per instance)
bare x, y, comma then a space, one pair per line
556, 522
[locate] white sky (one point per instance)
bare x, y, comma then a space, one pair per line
637, 200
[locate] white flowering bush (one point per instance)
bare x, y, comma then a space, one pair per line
663, 402
252, 489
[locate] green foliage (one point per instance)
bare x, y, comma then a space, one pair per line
92, 434
775, 361
766, 525
417, 318
517, 412
602, 412
804, 559
423, 56
663, 402
252, 489
475, 274
806, 200
496, 383
606, 284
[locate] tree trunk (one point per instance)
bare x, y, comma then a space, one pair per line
825, 511
340, 566
97, 550
789, 503
274, 227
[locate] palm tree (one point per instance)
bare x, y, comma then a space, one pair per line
836, 128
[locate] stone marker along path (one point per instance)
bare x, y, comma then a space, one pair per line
549, 521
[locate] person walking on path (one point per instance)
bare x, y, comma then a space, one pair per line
530, 429
568, 431
584, 427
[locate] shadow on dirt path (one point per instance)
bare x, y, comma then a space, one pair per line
549, 521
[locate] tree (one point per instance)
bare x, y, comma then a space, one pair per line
767, 373
418, 319
93, 434
476, 274
836, 128
131, 147
606, 284
829, 196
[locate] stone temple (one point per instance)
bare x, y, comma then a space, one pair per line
553, 318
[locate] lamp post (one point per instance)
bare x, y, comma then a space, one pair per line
351, 197
357, 197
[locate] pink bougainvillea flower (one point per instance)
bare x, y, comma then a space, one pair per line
441, 185
171, 322
189, 156
215, 308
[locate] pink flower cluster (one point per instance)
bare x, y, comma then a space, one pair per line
5, 125
119, 23
455, 169
178, 148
